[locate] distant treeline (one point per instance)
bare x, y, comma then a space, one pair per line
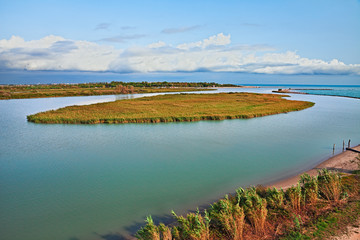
171, 84
114, 84
100, 88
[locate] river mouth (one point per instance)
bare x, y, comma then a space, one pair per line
90, 181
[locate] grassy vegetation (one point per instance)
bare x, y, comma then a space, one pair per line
316, 208
89, 89
173, 108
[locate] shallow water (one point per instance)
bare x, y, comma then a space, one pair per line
72, 182
348, 91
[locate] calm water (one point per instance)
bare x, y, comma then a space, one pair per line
44, 77
347, 91
92, 182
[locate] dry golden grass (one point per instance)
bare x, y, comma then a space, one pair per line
173, 108
62, 90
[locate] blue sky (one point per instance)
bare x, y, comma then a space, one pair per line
288, 37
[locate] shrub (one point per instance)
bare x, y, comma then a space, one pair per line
293, 195
149, 232
330, 186
228, 217
165, 232
275, 198
310, 188
254, 207
193, 227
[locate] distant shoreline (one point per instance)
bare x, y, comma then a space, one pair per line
243, 86
25, 91
294, 92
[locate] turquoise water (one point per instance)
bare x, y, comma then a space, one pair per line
92, 182
44, 77
348, 91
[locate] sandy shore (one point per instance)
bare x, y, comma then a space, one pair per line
344, 162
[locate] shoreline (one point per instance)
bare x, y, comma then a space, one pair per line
341, 162
25, 91
285, 91
159, 90
242, 86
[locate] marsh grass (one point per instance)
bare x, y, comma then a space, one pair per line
305, 211
165, 232
330, 185
255, 208
275, 197
294, 197
193, 227
150, 231
173, 108
229, 218
92, 89
310, 188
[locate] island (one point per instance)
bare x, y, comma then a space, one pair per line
173, 108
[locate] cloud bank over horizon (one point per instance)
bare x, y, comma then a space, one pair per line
215, 53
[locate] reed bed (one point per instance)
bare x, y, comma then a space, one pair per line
67, 90
174, 108
308, 210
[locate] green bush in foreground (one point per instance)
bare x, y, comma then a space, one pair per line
310, 188
193, 227
255, 208
259, 213
294, 197
150, 231
228, 217
330, 185
275, 197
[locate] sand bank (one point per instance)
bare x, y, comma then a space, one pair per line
343, 162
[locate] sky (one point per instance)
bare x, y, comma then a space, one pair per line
271, 37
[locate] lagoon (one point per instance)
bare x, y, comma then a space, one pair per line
75, 182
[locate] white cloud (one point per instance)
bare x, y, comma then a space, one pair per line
216, 40
55, 53
215, 53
